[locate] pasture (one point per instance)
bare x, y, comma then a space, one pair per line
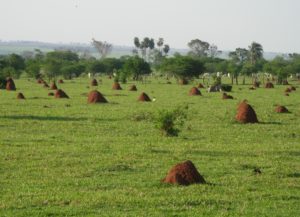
64, 157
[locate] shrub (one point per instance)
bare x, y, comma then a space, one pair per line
226, 87
168, 122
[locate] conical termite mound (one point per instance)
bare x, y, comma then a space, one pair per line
53, 86
183, 81
45, 85
94, 82
20, 96
288, 90
285, 82
184, 173
132, 88
60, 94
269, 85
116, 86
40, 81
281, 109
144, 98
256, 84
245, 113
226, 96
60, 81
10, 84
194, 91
200, 85
96, 97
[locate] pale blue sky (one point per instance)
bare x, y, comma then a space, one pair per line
227, 23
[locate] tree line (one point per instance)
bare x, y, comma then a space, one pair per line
152, 56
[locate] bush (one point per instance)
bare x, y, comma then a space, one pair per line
226, 87
169, 121
2, 82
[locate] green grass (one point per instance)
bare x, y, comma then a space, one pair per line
74, 159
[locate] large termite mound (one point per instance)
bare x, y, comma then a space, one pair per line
10, 84
94, 82
194, 91
269, 85
183, 81
132, 88
256, 84
60, 94
20, 96
226, 96
53, 86
96, 97
245, 113
116, 86
200, 85
40, 81
144, 98
281, 109
184, 173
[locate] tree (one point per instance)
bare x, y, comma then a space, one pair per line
103, 48
33, 68
279, 67
55, 60
73, 69
198, 48
255, 52
136, 67
182, 67
213, 51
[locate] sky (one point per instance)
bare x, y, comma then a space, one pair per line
229, 24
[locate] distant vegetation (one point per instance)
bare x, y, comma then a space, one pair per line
152, 56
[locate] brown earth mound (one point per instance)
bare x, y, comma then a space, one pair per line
183, 81
20, 96
10, 84
200, 85
132, 88
40, 81
184, 173
293, 88
288, 90
269, 85
60, 94
50, 94
96, 97
195, 92
45, 84
60, 81
94, 82
116, 86
256, 84
53, 86
225, 96
285, 82
144, 97
281, 109
246, 113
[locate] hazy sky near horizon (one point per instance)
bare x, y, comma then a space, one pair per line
227, 23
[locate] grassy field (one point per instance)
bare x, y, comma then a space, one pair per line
64, 157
